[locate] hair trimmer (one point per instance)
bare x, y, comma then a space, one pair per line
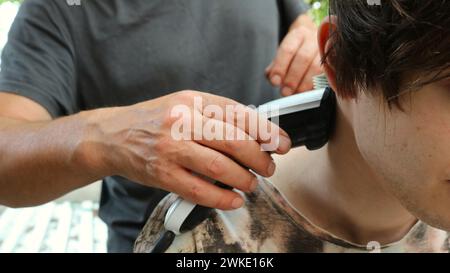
308, 118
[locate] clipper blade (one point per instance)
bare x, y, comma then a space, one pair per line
320, 82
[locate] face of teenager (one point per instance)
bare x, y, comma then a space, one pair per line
410, 148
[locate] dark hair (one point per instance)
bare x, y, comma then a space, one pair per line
375, 45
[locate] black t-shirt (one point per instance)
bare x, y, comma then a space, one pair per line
69, 57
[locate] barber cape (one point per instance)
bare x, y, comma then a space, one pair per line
268, 223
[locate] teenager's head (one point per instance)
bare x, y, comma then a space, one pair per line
390, 65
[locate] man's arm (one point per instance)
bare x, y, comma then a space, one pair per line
38, 159
42, 159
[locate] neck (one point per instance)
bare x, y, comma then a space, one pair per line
337, 190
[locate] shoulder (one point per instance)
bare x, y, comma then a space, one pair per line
36, 6
48, 15
426, 239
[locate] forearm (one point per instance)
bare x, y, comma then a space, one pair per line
40, 161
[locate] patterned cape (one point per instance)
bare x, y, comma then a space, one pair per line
268, 223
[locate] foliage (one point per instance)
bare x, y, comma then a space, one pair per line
319, 9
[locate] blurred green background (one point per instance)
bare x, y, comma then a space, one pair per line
319, 9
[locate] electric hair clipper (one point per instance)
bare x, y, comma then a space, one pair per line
308, 118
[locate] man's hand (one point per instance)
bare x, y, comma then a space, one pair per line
137, 142
42, 159
297, 59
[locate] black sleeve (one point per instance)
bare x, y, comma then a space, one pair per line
290, 10
293, 9
38, 61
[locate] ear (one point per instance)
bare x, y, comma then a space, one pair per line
328, 26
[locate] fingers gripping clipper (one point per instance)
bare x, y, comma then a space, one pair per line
308, 118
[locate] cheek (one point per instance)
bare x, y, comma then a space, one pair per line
389, 143
429, 123
411, 152
396, 151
